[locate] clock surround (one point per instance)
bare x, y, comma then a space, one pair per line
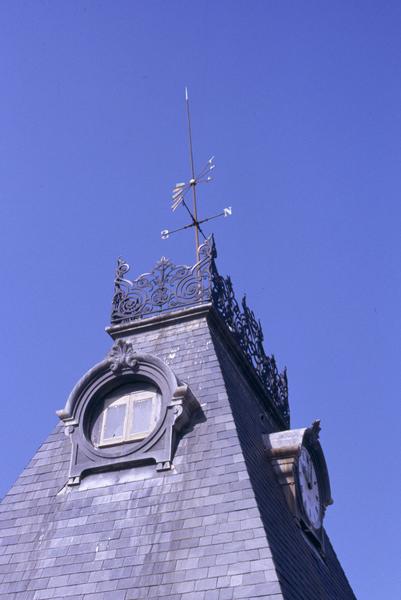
301, 481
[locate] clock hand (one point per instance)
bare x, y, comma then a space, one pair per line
306, 475
310, 471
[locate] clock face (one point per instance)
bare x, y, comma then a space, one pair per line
309, 489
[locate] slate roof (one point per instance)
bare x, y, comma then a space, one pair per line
216, 527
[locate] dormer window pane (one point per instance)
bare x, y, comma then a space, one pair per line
141, 419
113, 425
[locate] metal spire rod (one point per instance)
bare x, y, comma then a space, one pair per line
193, 179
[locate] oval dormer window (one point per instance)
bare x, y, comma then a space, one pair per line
127, 414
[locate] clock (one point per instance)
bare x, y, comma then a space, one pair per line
309, 493
300, 467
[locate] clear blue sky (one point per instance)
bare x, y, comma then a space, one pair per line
300, 101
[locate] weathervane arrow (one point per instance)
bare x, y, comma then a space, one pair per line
181, 190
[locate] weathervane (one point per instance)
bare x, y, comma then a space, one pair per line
181, 189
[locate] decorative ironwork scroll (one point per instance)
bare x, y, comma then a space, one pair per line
169, 287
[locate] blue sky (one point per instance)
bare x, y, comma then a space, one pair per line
300, 103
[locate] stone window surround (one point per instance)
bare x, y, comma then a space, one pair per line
124, 366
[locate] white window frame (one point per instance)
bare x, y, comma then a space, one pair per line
129, 400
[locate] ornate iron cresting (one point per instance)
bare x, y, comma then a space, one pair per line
169, 287
248, 332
